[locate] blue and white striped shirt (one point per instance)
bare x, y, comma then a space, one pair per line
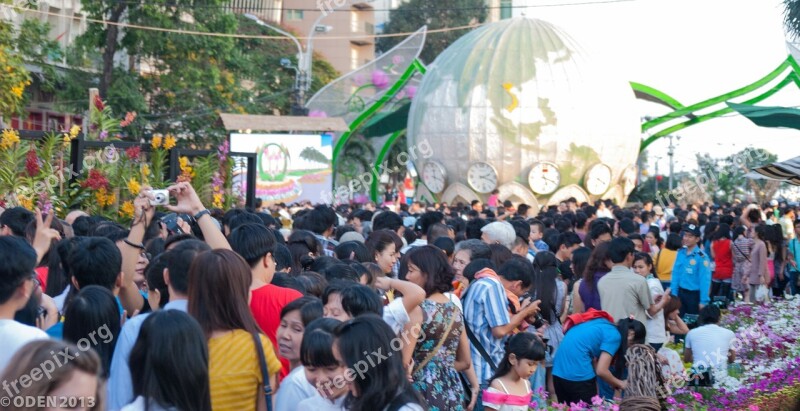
486, 307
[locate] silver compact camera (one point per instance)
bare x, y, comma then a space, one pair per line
160, 197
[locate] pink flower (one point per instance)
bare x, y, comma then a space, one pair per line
697, 396
103, 135
596, 400
359, 80
318, 114
671, 401
753, 407
380, 79
411, 91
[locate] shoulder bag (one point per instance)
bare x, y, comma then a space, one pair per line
438, 346
264, 371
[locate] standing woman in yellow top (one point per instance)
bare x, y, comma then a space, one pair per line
219, 293
666, 259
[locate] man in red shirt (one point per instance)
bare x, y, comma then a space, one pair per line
256, 244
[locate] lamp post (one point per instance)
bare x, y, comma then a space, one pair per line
302, 82
671, 154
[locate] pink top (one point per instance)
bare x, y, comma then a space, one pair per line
492, 201
503, 401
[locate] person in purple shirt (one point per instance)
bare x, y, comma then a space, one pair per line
585, 294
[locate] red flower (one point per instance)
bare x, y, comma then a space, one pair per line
32, 163
133, 152
96, 180
98, 103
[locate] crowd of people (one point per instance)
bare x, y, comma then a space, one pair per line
442, 307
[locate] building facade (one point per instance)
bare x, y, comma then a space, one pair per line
348, 25
66, 24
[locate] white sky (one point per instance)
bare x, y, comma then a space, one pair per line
692, 50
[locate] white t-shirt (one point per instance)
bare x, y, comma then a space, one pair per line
656, 333
294, 388
710, 345
317, 403
13, 335
395, 315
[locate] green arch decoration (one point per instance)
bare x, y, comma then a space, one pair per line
688, 112
414, 68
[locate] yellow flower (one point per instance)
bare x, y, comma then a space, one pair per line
217, 203
8, 139
184, 163
145, 170
126, 209
169, 142
101, 196
67, 139
25, 202
74, 130
134, 186
17, 90
156, 141
111, 199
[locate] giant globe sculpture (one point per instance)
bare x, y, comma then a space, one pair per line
517, 106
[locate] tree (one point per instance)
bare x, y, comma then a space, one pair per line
414, 14
791, 16
27, 44
189, 79
746, 160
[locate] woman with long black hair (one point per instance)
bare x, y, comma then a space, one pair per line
385, 385
585, 294
778, 252
169, 364
546, 289
219, 288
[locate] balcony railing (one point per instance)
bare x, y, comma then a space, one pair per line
362, 30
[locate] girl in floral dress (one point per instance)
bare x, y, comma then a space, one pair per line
442, 349
741, 261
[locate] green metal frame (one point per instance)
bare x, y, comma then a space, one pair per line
687, 111
643, 91
414, 68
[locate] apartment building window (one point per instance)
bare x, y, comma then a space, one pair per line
294, 14
506, 9
354, 22
354, 60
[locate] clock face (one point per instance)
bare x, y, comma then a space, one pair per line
629, 179
598, 179
544, 178
482, 177
434, 176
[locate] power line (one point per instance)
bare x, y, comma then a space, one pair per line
247, 36
356, 36
370, 10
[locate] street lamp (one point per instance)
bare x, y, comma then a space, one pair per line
303, 70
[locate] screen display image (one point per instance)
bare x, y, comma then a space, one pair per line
290, 167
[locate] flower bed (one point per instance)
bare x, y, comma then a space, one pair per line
764, 376
37, 174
